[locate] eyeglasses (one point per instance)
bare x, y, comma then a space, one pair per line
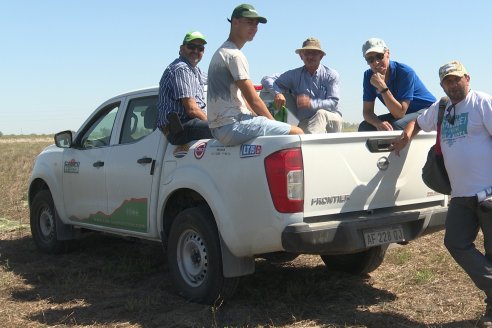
372, 59
192, 46
451, 118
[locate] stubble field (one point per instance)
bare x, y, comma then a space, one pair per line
111, 282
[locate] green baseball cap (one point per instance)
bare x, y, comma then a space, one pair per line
247, 11
190, 36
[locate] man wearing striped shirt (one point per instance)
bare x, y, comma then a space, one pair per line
182, 107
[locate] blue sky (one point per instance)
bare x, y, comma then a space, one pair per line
61, 59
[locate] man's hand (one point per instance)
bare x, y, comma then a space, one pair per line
377, 80
399, 143
279, 100
384, 126
303, 101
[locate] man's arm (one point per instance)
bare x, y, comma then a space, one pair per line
397, 109
408, 133
192, 109
255, 103
268, 83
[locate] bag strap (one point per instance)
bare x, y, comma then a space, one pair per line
440, 115
442, 107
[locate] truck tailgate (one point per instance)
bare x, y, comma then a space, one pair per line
341, 173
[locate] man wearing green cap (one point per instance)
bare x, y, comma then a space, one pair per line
236, 113
182, 106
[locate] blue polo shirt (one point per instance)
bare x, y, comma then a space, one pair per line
404, 84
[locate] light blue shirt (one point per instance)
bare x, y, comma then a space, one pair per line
323, 87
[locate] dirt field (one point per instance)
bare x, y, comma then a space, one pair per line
111, 282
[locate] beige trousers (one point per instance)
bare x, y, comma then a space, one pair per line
322, 122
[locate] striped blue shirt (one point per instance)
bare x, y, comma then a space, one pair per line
180, 80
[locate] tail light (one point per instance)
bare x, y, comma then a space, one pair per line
285, 175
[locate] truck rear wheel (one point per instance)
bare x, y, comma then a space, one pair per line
195, 260
358, 263
43, 224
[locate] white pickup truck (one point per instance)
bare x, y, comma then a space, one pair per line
343, 196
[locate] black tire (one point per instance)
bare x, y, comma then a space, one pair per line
195, 260
358, 263
43, 224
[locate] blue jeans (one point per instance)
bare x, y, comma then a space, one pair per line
248, 127
396, 124
463, 221
193, 129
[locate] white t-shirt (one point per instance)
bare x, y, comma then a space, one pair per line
467, 144
224, 99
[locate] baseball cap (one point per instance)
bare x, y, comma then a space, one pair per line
374, 45
452, 68
190, 36
247, 11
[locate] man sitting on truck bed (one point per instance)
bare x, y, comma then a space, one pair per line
235, 111
182, 106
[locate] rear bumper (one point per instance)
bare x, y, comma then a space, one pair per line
346, 235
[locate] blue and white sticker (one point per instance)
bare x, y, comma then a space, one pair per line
249, 151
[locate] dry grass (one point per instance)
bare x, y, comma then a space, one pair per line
109, 282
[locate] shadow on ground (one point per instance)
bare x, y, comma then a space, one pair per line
107, 281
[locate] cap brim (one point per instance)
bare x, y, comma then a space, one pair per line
196, 39
380, 50
458, 74
260, 19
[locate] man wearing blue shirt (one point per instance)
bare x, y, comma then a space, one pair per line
182, 106
396, 85
315, 87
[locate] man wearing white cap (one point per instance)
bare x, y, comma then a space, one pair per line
466, 145
395, 84
315, 87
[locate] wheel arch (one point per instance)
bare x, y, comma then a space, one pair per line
184, 198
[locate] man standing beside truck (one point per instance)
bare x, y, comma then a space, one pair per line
236, 113
466, 145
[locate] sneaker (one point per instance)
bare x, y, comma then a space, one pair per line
486, 319
174, 125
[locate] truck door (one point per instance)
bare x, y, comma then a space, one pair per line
85, 168
131, 166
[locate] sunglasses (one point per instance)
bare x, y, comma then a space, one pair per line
372, 59
192, 46
451, 118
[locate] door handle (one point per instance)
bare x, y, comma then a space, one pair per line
144, 160
379, 145
98, 164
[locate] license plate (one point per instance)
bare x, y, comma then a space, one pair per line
375, 237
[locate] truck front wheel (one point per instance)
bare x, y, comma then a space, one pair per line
195, 261
43, 224
358, 263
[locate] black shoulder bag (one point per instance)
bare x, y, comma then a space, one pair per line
434, 172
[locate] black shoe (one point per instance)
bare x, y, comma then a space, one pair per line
486, 319
174, 125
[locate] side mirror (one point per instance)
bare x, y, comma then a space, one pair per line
64, 139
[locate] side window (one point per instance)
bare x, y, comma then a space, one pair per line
140, 119
99, 132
